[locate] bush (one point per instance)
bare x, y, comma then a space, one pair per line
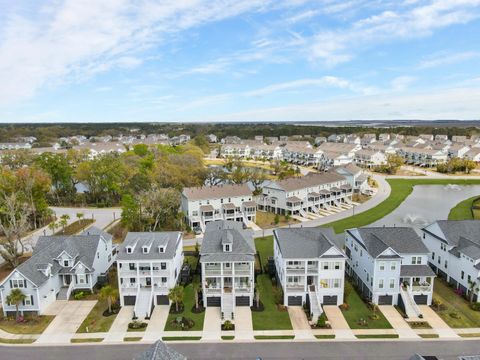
227, 325
276, 220
79, 295
183, 323
344, 306
136, 325
454, 314
475, 306
322, 321
277, 295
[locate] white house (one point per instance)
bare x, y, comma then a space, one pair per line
227, 256
390, 267
473, 154
355, 176
455, 252
58, 266
149, 264
370, 158
222, 202
309, 267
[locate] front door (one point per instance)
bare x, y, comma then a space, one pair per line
67, 279
227, 284
148, 281
309, 280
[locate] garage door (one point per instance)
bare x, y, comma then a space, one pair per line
129, 300
385, 300
162, 300
420, 299
294, 301
242, 301
213, 301
330, 300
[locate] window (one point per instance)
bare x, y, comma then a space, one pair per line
361, 252
336, 283
337, 266
15, 284
439, 259
132, 266
462, 275
164, 280
433, 256
368, 277
163, 266
382, 265
65, 262
443, 247
133, 280
129, 250
416, 260
81, 279
392, 283
161, 249
380, 284
469, 278
393, 266
325, 266
145, 250
446, 264
28, 301
227, 247
109, 257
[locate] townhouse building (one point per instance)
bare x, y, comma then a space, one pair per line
301, 153
307, 194
149, 265
370, 158
355, 177
221, 202
227, 257
390, 267
473, 154
310, 267
458, 150
422, 157
58, 266
455, 253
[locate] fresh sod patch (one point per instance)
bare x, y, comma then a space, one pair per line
377, 336
132, 338
16, 341
271, 318
471, 335
359, 315
419, 324
325, 336
274, 337
428, 336
30, 325
95, 321
228, 337
180, 338
401, 188
189, 303
266, 220
463, 210
86, 340
454, 304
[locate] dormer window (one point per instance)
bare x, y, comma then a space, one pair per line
129, 249
161, 249
66, 262
145, 249
227, 247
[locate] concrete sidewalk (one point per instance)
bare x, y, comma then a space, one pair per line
437, 324
120, 324
339, 324
300, 324
402, 328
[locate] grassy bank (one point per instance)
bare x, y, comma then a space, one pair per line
463, 210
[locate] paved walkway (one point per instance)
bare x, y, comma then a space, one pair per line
67, 321
243, 323
157, 322
300, 324
398, 323
338, 322
436, 322
212, 324
120, 324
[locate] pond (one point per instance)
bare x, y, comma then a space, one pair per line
428, 203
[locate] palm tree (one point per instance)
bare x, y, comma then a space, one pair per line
16, 297
196, 288
472, 288
80, 217
64, 221
52, 226
176, 295
110, 294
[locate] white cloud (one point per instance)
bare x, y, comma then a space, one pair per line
447, 59
401, 83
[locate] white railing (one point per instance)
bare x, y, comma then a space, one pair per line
69, 290
411, 308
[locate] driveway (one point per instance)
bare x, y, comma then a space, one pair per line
157, 322
300, 324
436, 322
338, 322
212, 324
67, 321
120, 324
398, 323
243, 323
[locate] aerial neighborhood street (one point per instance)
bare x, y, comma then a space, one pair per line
336, 254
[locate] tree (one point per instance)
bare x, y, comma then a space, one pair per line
472, 289
196, 289
160, 208
394, 163
131, 216
53, 226
216, 176
175, 294
16, 297
60, 171
257, 177
109, 294
64, 221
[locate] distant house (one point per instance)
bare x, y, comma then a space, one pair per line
459, 138
355, 176
458, 150
441, 137
309, 267
149, 265
212, 138
227, 256
370, 158
473, 154
58, 266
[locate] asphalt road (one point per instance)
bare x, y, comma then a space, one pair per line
376, 350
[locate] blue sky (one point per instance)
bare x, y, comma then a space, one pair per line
234, 60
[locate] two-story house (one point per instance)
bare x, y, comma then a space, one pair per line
222, 202
390, 266
58, 266
310, 267
455, 252
149, 265
227, 256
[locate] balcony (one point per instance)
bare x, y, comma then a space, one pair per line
421, 287
295, 287
213, 290
240, 289
295, 269
312, 269
213, 270
127, 272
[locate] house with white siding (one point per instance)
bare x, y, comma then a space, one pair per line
370, 158
58, 266
390, 267
149, 265
309, 267
455, 253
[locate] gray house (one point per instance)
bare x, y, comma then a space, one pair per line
227, 257
59, 265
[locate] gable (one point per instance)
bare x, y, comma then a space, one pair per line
17, 275
388, 252
333, 251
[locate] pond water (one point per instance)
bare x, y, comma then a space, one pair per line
428, 203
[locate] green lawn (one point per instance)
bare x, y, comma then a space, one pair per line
266, 220
264, 246
462, 211
180, 338
31, 325
468, 317
95, 321
132, 338
189, 302
401, 188
358, 309
274, 337
87, 340
378, 336
271, 318
16, 341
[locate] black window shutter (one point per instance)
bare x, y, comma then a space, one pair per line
23, 302
24, 283
31, 299
11, 284
86, 279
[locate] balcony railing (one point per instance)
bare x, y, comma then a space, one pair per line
295, 287
421, 288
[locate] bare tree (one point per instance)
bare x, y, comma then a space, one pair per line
14, 225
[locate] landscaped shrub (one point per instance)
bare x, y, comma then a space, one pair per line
79, 296
322, 322
182, 323
454, 315
277, 295
137, 325
228, 325
344, 306
475, 306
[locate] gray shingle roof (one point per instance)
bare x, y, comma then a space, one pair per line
304, 243
167, 239
416, 270
309, 180
402, 240
216, 232
216, 192
81, 247
160, 351
454, 230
